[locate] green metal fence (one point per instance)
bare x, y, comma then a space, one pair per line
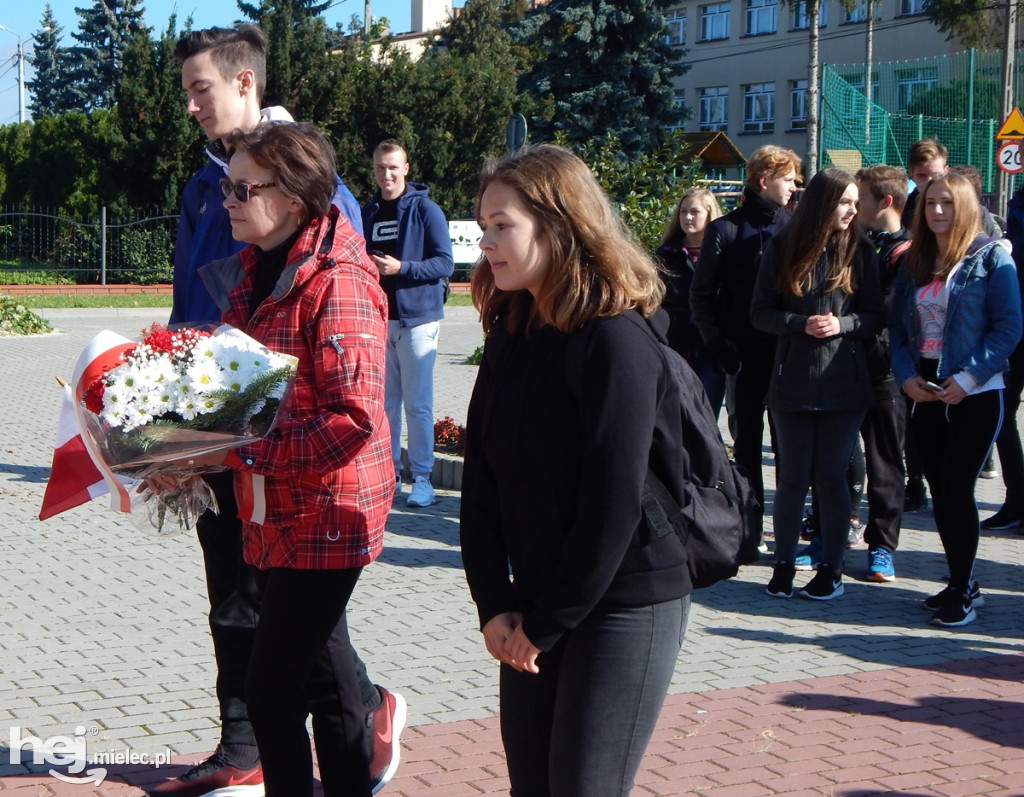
953, 99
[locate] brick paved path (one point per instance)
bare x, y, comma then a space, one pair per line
103, 628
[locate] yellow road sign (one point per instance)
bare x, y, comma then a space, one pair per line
1013, 128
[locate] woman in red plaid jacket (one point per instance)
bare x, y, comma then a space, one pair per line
315, 493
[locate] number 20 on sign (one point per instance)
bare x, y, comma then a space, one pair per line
1008, 157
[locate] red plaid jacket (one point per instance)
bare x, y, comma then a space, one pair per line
315, 493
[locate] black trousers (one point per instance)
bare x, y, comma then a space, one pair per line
303, 663
884, 430
234, 607
751, 385
235, 595
1011, 454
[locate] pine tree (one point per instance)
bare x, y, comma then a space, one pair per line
48, 90
104, 31
608, 70
159, 145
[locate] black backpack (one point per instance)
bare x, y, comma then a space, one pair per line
719, 520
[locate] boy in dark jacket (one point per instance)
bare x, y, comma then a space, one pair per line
723, 285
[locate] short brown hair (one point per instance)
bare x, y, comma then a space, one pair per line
972, 175
597, 267
390, 145
885, 181
232, 49
299, 155
769, 161
925, 151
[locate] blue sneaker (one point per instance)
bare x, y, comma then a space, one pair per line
810, 557
880, 566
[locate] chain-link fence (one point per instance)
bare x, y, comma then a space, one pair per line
953, 99
39, 246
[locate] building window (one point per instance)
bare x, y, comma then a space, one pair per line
711, 108
910, 82
800, 19
680, 103
911, 7
798, 105
759, 108
675, 21
860, 13
761, 16
714, 21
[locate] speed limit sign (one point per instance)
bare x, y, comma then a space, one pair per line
1008, 157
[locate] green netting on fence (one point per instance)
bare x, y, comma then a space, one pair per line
953, 99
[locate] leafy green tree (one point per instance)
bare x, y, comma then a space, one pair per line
951, 100
976, 23
104, 30
159, 146
607, 70
48, 90
644, 187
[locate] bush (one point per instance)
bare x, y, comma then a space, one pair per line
17, 319
144, 257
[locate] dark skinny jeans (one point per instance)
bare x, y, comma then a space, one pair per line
579, 728
814, 449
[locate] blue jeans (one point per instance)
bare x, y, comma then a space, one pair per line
410, 382
579, 728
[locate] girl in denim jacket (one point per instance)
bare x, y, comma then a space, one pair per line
956, 317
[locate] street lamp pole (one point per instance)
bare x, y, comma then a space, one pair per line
21, 70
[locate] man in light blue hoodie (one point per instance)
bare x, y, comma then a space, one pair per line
223, 74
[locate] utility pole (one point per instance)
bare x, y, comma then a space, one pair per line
20, 55
1006, 104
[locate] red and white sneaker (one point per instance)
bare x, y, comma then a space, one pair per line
387, 723
213, 778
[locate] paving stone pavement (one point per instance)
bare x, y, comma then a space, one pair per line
103, 628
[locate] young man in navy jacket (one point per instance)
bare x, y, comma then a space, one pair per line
407, 237
223, 74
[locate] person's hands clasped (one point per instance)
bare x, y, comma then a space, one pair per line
822, 326
506, 642
386, 264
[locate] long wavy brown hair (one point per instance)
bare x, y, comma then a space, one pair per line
810, 232
597, 267
925, 261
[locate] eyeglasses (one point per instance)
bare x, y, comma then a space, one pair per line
241, 189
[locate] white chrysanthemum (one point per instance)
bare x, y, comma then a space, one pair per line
204, 374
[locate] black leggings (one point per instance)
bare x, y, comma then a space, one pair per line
954, 441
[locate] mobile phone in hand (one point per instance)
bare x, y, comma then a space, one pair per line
933, 386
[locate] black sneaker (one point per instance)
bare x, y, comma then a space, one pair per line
781, 585
956, 612
213, 777
1002, 520
950, 595
826, 584
915, 499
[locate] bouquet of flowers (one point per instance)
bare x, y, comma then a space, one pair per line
146, 408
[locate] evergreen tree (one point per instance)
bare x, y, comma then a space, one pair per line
48, 90
104, 31
608, 70
159, 146
976, 23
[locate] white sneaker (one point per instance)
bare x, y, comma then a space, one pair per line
422, 493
